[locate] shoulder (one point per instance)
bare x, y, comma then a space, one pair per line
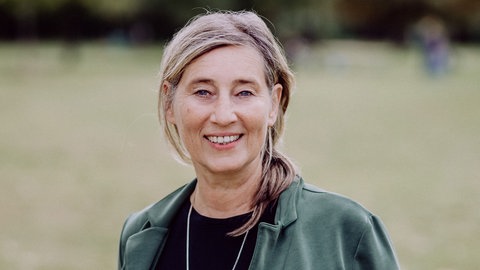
157, 214
327, 199
344, 223
319, 205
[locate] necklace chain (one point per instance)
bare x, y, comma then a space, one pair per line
188, 242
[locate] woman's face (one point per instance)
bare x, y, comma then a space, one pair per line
222, 109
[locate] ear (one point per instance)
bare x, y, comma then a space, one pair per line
168, 107
276, 97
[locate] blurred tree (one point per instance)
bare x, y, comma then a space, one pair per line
391, 19
309, 19
165, 16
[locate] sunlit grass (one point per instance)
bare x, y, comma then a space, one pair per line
81, 148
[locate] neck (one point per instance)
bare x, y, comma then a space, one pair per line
223, 197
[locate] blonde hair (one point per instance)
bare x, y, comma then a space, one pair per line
205, 33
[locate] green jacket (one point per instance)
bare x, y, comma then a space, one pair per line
313, 229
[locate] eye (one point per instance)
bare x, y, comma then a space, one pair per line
245, 93
202, 93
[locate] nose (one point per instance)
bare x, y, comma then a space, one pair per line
224, 112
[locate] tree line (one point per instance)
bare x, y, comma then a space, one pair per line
311, 20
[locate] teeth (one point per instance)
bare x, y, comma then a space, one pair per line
223, 139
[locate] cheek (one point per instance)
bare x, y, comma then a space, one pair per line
188, 118
258, 121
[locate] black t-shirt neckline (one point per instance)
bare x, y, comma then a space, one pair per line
210, 246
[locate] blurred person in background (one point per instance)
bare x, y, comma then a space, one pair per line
224, 91
434, 42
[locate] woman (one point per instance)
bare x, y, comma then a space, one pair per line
225, 87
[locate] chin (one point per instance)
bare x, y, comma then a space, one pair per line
225, 165
225, 169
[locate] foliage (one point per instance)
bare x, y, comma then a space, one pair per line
304, 18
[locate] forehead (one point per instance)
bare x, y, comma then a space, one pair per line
229, 62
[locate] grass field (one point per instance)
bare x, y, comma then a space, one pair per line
81, 148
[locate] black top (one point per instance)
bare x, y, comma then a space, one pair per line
210, 246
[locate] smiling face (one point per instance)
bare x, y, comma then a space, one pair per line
222, 108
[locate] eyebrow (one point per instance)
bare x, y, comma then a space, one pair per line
212, 82
201, 80
245, 81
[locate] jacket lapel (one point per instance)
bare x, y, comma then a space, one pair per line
270, 243
142, 248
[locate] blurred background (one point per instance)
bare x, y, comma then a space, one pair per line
386, 111
138, 21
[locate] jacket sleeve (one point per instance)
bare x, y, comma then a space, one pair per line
121, 248
374, 250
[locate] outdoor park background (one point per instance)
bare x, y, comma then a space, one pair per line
81, 147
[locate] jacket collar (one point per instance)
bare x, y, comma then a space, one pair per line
287, 204
161, 213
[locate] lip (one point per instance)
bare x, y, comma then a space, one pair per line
220, 134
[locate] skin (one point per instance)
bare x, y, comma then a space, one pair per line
224, 94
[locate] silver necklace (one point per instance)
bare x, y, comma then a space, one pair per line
188, 242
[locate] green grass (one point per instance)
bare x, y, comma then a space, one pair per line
81, 148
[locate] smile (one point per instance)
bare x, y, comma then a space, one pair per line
223, 139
